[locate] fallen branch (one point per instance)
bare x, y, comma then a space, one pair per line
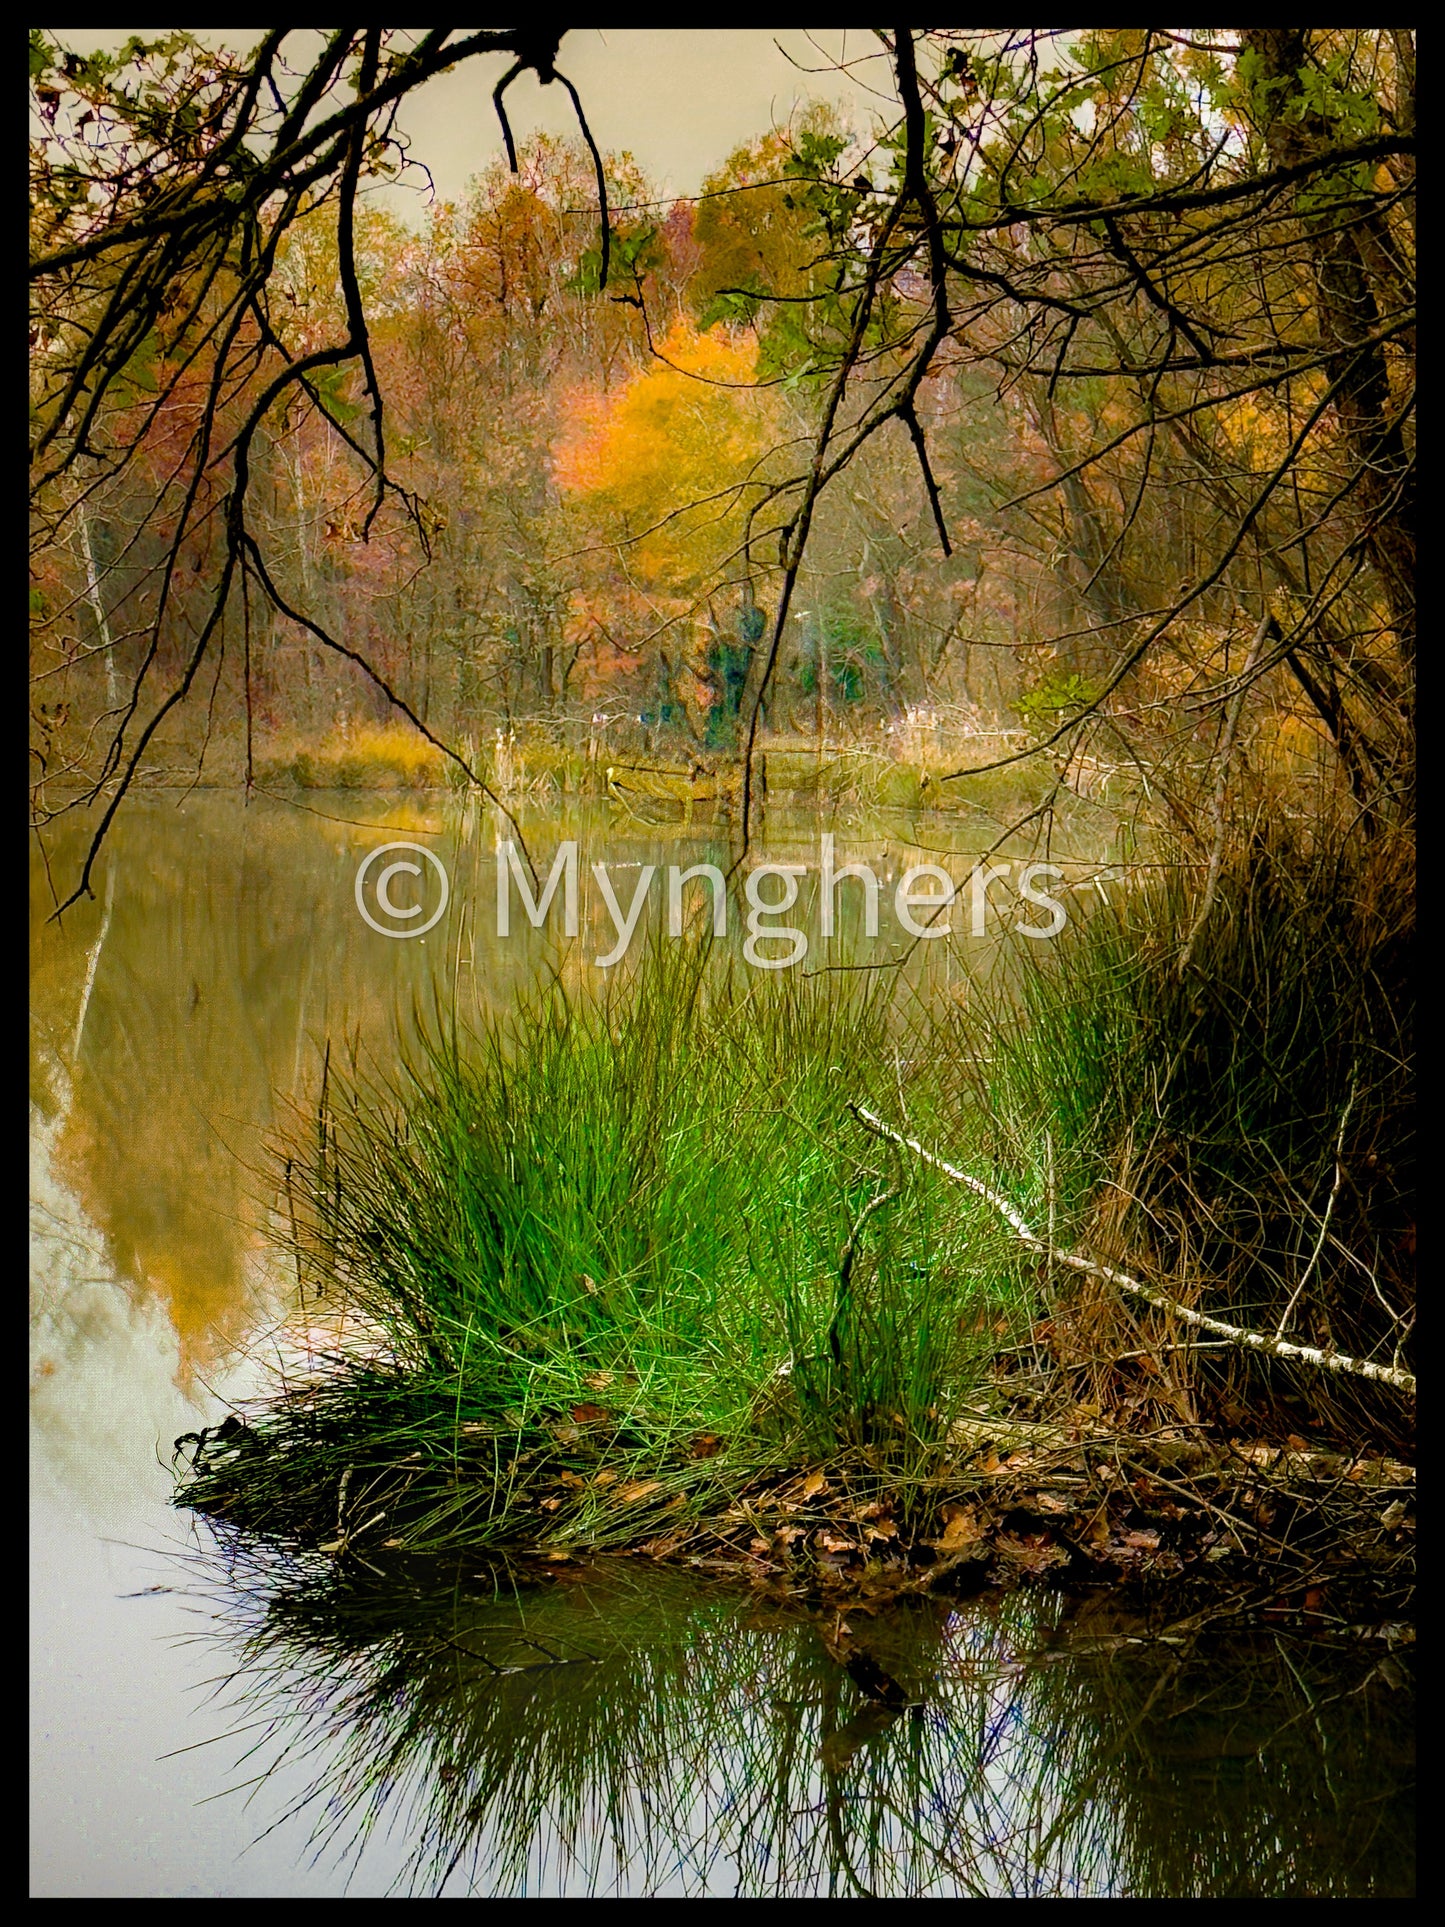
1236, 1334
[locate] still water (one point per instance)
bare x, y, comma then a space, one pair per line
208, 1720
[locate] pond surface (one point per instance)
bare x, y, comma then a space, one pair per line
209, 1720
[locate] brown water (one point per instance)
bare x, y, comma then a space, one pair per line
211, 1722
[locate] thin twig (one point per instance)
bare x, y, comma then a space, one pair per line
1329, 1213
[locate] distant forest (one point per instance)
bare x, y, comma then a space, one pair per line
1074, 395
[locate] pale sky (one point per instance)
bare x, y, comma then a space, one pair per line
680, 99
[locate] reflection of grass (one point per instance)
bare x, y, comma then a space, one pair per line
629, 1730
633, 1243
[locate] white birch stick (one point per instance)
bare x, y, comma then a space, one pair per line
1236, 1334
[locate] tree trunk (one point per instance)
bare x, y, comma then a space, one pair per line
1349, 313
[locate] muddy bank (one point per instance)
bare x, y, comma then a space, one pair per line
1205, 1528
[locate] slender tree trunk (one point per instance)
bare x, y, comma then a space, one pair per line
97, 609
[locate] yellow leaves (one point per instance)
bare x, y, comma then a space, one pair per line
663, 445
813, 1485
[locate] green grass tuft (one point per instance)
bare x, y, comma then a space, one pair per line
635, 1243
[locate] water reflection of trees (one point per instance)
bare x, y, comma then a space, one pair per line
622, 1730
224, 951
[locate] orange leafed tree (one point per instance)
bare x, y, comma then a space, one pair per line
666, 462
660, 472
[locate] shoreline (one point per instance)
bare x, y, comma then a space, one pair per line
1217, 1528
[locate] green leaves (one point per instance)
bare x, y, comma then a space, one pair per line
1052, 699
636, 253
331, 385
735, 305
816, 153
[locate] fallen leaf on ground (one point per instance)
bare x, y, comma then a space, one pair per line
814, 1484
588, 1414
639, 1489
706, 1445
605, 1478
662, 1548
1051, 1502
831, 1543
961, 1528
1145, 1541
1034, 1554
